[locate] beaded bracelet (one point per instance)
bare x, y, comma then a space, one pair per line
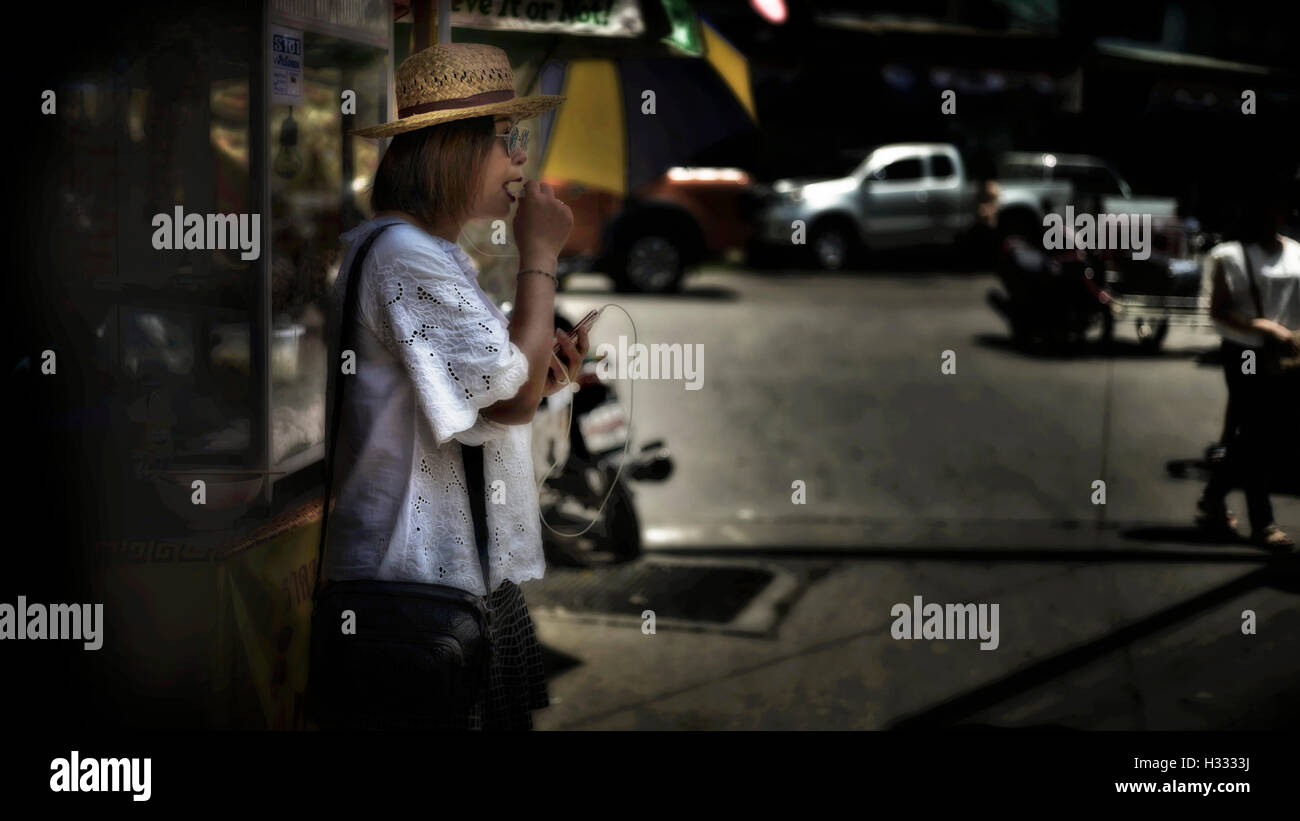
538, 271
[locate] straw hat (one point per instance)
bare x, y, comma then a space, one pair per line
455, 81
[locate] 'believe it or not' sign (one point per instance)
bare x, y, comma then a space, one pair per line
609, 18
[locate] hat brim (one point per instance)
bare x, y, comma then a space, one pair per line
521, 108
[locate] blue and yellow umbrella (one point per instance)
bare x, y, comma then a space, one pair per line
603, 135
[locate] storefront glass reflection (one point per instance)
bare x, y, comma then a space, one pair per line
158, 123
319, 174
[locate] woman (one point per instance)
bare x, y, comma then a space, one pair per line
438, 366
1263, 407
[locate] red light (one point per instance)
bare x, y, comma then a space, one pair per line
772, 10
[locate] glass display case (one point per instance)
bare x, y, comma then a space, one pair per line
319, 178
201, 215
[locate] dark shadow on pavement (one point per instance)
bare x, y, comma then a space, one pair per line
950, 713
1182, 534
1282, 574
556, 663
1034, 728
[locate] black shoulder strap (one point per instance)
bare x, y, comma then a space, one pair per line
1250, 276
473, 456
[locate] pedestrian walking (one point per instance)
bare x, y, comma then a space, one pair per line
1256, 307
432, 471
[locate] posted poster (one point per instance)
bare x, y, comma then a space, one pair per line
286, 66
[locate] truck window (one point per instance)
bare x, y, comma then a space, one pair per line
941, 166
908, 169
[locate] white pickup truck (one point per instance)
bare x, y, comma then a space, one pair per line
901, 195
1097, 185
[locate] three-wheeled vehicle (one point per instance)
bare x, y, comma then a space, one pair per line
1077, 295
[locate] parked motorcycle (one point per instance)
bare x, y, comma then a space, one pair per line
589, 460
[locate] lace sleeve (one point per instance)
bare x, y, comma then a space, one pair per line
458, 354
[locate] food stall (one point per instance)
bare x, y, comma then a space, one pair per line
208, 482
205, 172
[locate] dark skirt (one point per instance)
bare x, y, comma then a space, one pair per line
516, 676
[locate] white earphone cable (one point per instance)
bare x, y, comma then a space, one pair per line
568, 426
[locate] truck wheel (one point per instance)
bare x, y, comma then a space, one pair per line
650, 263
832, 247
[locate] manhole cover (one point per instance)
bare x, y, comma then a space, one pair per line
709, 593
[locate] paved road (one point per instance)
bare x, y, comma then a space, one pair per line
836, 381
973, 487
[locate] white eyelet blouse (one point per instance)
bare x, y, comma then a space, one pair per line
431, 350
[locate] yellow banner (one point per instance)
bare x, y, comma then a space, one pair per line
266, 593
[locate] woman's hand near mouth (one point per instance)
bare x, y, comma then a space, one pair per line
541, 226
542, 223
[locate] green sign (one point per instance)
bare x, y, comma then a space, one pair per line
685, 34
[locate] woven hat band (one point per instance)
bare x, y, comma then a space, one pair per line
485, 98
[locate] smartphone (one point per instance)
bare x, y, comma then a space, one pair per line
585, 323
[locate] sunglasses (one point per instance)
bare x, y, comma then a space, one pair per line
516, 140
